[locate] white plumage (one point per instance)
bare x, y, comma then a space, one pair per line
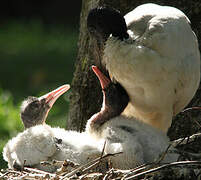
30, 147
139, 142
158, 65
41, 143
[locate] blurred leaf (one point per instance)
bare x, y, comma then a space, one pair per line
10, 122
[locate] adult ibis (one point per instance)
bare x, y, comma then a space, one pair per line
153, 53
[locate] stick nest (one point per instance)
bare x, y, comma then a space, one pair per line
188, 166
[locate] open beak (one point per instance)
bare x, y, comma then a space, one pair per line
104, 81
52, 96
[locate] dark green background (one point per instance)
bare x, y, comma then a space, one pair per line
38, 47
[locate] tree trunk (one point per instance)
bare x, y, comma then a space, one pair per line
86, 97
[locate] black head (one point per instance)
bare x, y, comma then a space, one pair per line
103, 21
115, 96
34, 110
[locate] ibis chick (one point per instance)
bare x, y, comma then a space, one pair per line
40, 142
139, 142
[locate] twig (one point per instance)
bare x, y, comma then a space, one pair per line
137, 169
185, 153
108, 174
34, 176
94, 164
103, 150
84, 176
40, 172
191, 108
162, 156
65, 167
164, 166
3, 175
183, 141
91, 166
13, 171
88, 164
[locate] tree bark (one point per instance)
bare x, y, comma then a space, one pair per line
86, 97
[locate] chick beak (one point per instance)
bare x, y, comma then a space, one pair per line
52, 96
104, 81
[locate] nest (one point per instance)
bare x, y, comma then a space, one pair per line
188, 166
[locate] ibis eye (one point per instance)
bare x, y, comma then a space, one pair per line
35, 104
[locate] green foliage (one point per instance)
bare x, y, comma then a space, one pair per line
10, 122
9, 115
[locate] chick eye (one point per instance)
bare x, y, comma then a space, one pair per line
35, 105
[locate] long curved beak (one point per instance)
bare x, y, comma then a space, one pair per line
104, 81
52, 96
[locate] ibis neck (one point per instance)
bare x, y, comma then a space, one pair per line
97, 121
